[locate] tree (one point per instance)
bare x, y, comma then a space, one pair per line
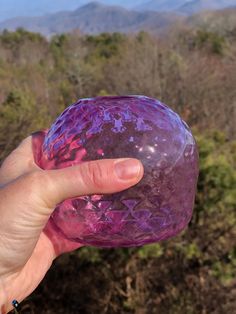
18, 117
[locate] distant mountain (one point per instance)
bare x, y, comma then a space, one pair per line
16, 8
22, 8
94, 18
201, 5
130, 4
161, 5
185, 6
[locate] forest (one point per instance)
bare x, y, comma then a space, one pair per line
194, 72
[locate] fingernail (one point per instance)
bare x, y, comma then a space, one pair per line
127, 169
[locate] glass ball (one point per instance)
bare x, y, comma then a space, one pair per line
160, 205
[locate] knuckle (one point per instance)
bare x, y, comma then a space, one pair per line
41, 185
37, 179
94, 175
30, 186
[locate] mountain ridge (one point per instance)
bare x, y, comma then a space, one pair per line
195, 6
118, 19
16, 8
112, 18
164, 5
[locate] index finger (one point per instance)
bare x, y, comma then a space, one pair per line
19, 162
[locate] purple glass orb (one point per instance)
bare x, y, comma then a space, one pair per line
158, 207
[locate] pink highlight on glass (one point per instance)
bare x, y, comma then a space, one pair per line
100, 152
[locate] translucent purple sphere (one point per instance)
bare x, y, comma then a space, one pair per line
157, 208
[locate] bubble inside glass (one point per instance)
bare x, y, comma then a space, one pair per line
157, 208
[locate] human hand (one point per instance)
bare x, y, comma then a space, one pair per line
28, 196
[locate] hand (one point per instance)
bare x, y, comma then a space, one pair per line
28, 196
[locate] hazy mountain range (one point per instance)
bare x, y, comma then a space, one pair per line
195, 6
186, 6
16, 8
95, 17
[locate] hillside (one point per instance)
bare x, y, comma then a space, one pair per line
222, 22
193, 72
201, 5
187, 7
161, 5
104, 18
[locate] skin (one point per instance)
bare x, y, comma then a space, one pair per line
28, 196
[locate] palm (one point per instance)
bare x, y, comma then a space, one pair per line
48, 247
50, 243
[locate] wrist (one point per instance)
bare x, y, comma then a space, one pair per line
5, 301
2, 309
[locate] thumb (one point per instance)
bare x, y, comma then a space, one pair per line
29, 201
95, 177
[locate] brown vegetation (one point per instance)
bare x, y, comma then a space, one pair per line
193, 71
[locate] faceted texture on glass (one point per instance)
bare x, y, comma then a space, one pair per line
157, 208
